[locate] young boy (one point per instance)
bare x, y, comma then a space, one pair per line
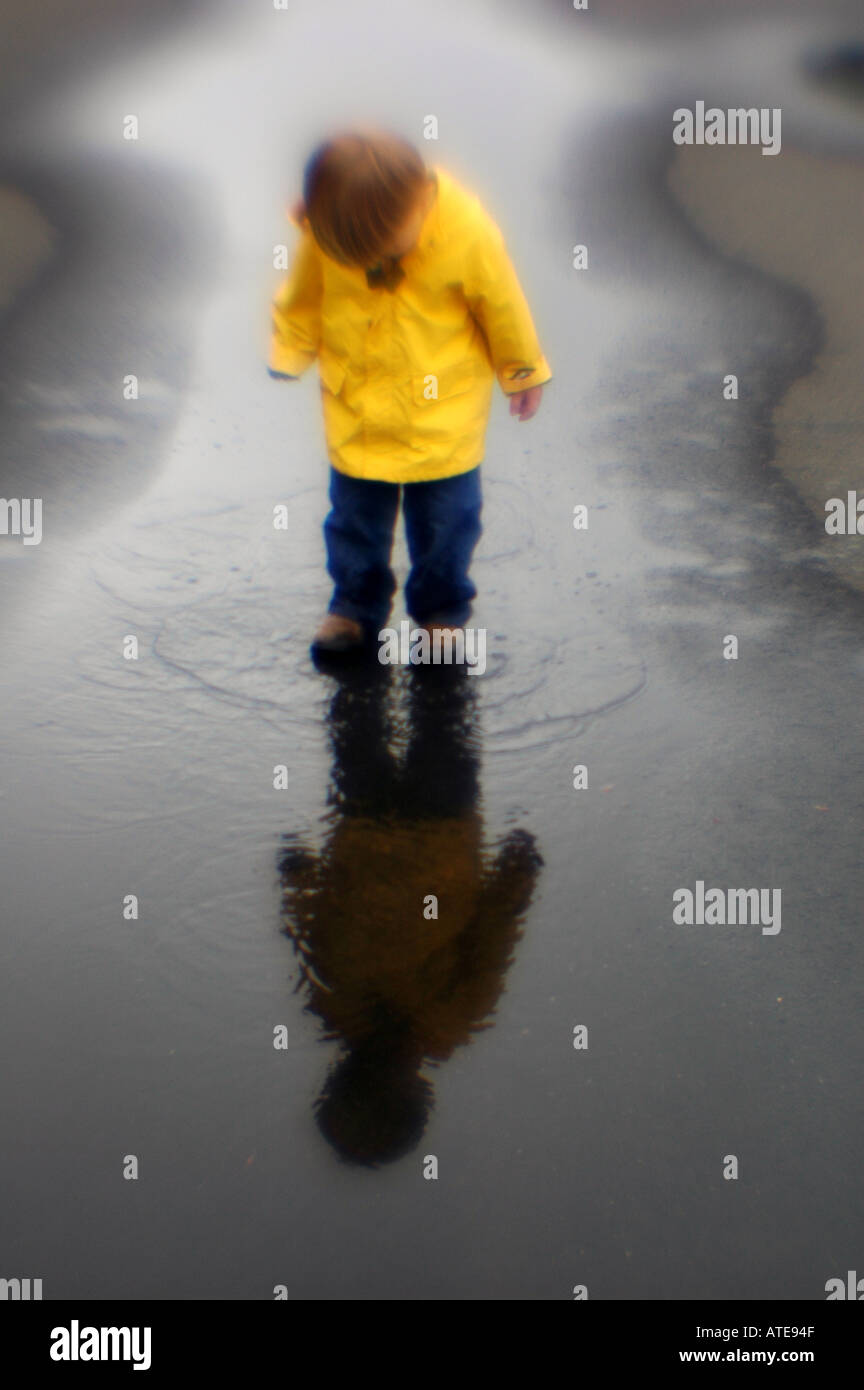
402, 288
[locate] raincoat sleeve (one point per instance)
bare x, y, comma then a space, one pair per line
296, 312
495, 298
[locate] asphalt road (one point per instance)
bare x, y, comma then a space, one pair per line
292, 915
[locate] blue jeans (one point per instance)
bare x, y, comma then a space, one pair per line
442, 527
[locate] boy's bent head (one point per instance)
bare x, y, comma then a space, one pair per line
365, 195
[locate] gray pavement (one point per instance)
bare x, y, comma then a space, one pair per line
557, 1166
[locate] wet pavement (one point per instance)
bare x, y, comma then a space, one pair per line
285, 1037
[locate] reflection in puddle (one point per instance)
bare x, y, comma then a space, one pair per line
404, 924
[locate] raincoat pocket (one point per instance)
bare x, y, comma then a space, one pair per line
440, 386
332, 373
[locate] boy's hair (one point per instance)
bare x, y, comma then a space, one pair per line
358, 189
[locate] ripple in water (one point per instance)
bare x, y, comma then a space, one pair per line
232, 604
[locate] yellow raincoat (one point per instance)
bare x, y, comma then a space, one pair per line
407, 374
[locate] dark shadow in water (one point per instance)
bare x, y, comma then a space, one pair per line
397, 987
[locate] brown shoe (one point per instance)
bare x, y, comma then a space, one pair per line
338, 634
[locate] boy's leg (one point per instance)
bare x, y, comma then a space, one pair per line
442, 527
358, 533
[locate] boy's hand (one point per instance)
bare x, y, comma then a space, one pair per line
526, 403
